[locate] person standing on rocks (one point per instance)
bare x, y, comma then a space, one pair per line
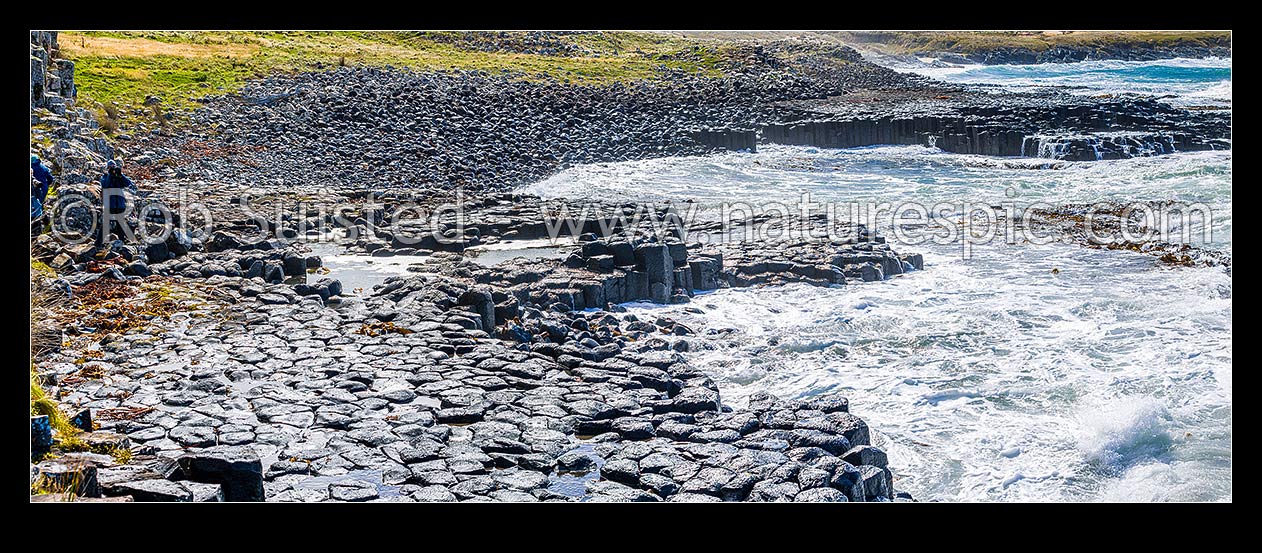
39, 193
113, 200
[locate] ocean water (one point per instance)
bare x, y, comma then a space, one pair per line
1180, 81
1018, 373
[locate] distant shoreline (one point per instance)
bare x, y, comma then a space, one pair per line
1002, 48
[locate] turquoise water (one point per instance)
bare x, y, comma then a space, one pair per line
1179, 81
1021, 373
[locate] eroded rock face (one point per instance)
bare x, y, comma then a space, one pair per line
52, 78
64, 135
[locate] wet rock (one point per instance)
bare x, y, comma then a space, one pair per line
845, 424
513, 496
576, 461
676, 430
827, 404
520, 479
849, 480
710, 480
273, 299
833, 443
655, 261
624, 471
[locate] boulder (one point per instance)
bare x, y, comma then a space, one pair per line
866, 455
76, 475
820, 495
695, 399
655, 261
294, 264
273, 273
353, 490
623, 253
157, 252
237, 468
154, 490
137, 268
41, 435
178, 243
877, 482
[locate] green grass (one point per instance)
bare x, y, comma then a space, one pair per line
124, 68
42, 269
978, 42
42, 404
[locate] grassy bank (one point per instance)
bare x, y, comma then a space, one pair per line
913, 42
124, 68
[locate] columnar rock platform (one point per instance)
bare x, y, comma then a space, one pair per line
518, 382
970, 121
437, 132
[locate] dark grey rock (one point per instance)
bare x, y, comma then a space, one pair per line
153, 489
866, 455
877, 483
820, 495
237, 468
353, 490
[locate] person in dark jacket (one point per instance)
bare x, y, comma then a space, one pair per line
39, 193
113, 199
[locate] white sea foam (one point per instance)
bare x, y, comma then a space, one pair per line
1120, 433
992, 378
1180, 80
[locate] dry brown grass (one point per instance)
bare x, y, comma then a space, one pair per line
75, 45
43, 305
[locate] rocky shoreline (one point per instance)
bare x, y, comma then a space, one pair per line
440, 132
230, 367
463, 382
1070, 54
1052, 125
